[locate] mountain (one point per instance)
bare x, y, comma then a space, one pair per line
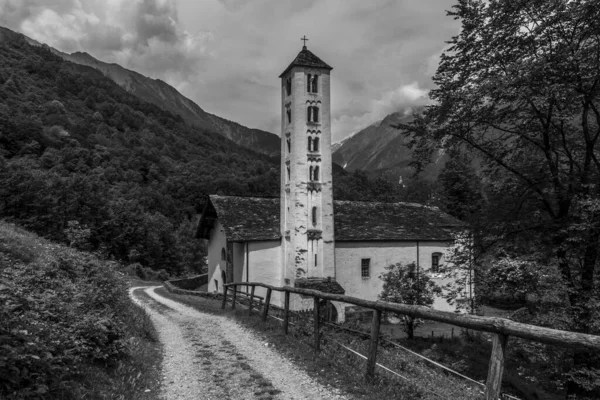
168, 98
382, 148
83, 158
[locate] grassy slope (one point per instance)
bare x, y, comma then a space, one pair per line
68, 329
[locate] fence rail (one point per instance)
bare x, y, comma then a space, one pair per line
501, 328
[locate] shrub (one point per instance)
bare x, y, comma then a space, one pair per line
60, 309
163, 275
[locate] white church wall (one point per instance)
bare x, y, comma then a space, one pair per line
264, 258
239, 262
217, 242
349, 255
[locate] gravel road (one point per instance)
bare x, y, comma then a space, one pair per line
209, 356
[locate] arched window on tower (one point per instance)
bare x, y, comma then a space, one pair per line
310, 143
288, 174
315, 84
312, 114
316, 144
288, 111
314, 215
289, 145
308, 82
288, 86
316, 173
310, 173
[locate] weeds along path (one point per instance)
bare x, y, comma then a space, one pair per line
209, 356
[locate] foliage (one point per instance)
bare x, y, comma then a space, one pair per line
89, 164
61, 312
518, 88
405, 285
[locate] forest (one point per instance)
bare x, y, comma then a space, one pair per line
85, 163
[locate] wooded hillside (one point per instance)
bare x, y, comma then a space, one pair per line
77, 150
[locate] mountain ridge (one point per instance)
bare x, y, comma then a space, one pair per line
380, 147
165, 96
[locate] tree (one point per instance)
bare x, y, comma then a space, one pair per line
405, 285
519, 86
460, 191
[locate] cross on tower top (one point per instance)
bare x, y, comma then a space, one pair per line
305, 40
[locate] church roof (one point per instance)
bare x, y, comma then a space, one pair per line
244, 218
361, 220
254, 218
306, 59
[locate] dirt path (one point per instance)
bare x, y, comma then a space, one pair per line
212, 357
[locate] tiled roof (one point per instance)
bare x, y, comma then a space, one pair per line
248, 218
252, 218
361, 220
306, 59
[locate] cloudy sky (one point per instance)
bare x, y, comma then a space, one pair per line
226, 55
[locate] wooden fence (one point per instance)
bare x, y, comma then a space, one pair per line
501, 328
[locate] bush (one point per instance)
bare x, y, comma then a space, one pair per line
163, 275
60, 309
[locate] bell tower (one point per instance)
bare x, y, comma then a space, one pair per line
306, 190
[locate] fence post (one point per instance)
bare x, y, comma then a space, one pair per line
251, 300
372, 360
267, 302
224, 297
286, 313
496, 369
316, 324
233, 297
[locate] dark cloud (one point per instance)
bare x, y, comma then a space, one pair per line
226, 54
157, 19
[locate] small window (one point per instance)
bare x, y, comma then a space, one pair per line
365, 267
288, 173
316, 144
315, 260
223, 254
435, 262
289, 115
315, 83
315, 114
288, 86
289, 145
310, 143
314, 215
316, 173
308, 82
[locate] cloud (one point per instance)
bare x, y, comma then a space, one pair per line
402, 98
144, 35
226, 55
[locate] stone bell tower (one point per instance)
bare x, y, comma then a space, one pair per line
306, 191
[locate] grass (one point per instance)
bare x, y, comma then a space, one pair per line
339, 369
137, 377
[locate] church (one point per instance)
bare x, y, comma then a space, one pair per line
306, 239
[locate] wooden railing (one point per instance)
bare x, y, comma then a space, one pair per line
501, 328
